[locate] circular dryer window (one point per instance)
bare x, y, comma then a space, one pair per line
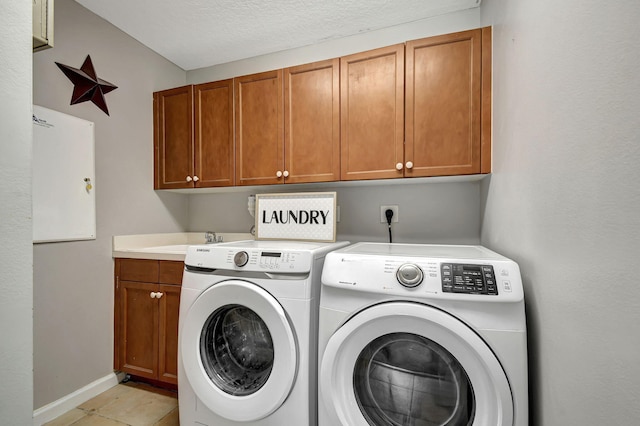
404, 363
236, 350
405, 379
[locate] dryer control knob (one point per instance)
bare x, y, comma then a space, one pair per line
409, 275
241, 258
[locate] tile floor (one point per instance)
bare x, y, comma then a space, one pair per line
125, 404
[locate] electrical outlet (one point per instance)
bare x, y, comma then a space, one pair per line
383, 216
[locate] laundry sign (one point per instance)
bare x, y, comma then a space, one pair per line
306, 216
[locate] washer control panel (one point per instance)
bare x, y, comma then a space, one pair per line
468, 279
282, 261
273, 257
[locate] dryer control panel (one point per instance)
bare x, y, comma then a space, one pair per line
461, 273
468, 279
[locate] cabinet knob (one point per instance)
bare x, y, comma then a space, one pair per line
279, 174
189, 179
399, 166
196, 178
159, 295
153, 295
409, 165
285, 174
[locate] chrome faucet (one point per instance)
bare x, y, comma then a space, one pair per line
210, 237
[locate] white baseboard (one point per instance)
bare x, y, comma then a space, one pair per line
67, 403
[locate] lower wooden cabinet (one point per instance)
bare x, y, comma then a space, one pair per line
147, 302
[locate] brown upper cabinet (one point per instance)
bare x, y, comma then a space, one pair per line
427, 116
372, 113
193, 136
422, 108
444, 104
259, 128
214, 149
287, 125
173, 137
312, 122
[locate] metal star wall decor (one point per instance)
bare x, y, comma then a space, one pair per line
87, 85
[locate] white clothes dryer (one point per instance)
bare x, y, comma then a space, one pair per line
248, 333
415, 334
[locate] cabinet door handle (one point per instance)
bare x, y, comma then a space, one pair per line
153, 295
399, 166
279, 174
409, 165
285, 174
159, 295
196, 178
189, 179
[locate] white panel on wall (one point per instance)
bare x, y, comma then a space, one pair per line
64, 207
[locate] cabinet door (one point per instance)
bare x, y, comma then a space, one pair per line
138, 334
372, 114
443, 81
169, 304
214, 159
312, 122
259, 128
173, 138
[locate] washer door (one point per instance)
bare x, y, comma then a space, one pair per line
404, 363
239, 351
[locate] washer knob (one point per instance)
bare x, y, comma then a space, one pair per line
409, 275
241, 258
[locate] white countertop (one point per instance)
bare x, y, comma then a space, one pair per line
164, 246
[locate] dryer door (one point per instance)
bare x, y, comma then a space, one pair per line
239, 351
403, 363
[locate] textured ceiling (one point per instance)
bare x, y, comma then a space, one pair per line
200, 33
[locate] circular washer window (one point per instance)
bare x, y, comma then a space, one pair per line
236, 350
403, 379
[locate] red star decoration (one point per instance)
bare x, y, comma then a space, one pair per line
87, 85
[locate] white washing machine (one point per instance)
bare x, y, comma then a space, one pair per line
248, 333
415, 334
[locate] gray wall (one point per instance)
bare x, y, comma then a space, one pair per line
16, 283
564, 198
73, 282
429, 212
445, 212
